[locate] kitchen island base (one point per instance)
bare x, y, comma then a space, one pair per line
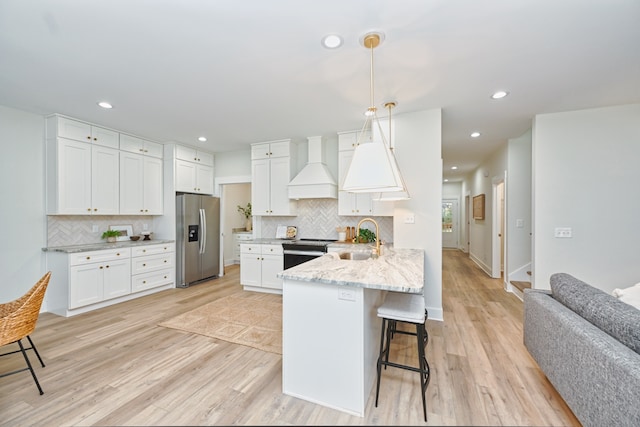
330, 343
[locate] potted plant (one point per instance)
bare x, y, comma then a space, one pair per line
246, 211
111, 235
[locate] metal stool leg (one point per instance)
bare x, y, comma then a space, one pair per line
380, 355
424, 366
33, 374
33, 346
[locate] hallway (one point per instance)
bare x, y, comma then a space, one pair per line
483, 374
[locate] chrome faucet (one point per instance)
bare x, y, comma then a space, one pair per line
377, 250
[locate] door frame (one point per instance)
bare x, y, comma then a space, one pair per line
499, 229
456, 220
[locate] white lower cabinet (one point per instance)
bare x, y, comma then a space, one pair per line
85, 281
259, 265
98, 276
152, 266
238, 238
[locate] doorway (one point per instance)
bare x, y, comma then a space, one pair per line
450, 223
498, 239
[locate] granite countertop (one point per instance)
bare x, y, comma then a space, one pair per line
101, 246
399, 270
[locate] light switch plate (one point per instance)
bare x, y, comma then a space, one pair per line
563, 232
410, 219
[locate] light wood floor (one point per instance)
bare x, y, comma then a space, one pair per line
115, 366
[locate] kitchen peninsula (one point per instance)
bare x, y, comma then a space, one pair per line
331, 331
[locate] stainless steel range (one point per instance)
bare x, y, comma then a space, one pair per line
302, 250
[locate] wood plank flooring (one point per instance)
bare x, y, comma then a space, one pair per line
115, 366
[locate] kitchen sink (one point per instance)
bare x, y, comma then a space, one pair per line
355, 256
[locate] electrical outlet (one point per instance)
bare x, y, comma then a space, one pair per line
94, 228
145, 227
519, 223
563, 232
346, 294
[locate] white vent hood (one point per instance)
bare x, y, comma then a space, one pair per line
314, 180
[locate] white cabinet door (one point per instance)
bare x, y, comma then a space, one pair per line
85, 284
204, 179
271, 172
260, 182
185, 176
271, 266
279, 187
131, 183
105, 180
70, 190
73, 129
117, 279
250, 269
153, 186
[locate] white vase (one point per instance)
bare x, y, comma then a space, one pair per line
111, 239
248, 226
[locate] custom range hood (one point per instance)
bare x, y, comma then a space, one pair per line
314, 180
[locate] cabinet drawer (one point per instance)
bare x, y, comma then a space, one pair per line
151, 263
151, 250
250, 248
81, 258
243, 236
152, 279
272, 250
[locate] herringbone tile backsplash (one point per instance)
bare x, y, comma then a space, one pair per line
318, 219
66, 230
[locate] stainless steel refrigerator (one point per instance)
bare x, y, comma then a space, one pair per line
197, 238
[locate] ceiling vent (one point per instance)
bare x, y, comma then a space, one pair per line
314, 180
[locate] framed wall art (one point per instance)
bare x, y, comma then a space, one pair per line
478, 206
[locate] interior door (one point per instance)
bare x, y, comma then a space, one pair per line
450, 233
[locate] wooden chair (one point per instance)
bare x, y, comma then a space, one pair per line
18, 319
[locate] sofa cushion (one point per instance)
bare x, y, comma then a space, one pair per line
605, 311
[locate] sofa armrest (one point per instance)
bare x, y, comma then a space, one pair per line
597, 376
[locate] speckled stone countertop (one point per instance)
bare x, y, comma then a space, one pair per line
399, 270
101, 246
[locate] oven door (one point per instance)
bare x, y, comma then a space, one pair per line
293, 257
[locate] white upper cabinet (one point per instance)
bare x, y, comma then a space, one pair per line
272, 167
140, 184
85, 132
137, 145
194, 170
92, 170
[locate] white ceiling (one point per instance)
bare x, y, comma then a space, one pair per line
243, 71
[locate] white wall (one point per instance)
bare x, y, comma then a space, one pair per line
481, 230
233, 163
418, 142
22, 214
586, 176
519, 207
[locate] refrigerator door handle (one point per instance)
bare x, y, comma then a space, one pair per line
203, 227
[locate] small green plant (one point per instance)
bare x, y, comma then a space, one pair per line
246, 211
366, 236
110, 233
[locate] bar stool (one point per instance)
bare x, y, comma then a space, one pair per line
406, 308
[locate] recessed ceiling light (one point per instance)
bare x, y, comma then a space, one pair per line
454, 167
499, 94
446, 180
202, 139
332, 41
475, 134
105, 104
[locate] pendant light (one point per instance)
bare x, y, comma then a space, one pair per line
373, 167
392, 195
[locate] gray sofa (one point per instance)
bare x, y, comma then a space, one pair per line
587, 343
